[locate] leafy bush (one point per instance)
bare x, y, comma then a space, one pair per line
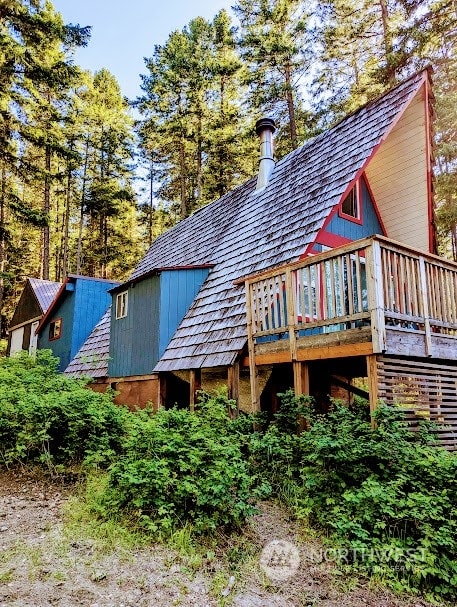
387, 497
49, 418
179, 467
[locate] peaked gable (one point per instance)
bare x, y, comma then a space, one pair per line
45, 291
276, 225
34, 301
76, 309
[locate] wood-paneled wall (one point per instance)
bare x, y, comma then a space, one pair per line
398, 178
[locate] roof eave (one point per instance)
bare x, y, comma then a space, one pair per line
155, 272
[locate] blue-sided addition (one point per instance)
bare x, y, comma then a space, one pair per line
156, 306
80, 305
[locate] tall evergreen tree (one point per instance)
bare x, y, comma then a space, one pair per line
273, 40
107, 198
28, 29
363, 47
192, 120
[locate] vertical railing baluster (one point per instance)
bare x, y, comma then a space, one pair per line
425, 305
376, 296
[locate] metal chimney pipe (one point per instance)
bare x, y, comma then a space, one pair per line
265, 127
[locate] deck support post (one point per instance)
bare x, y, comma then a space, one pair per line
291, 313
195, 382
162, 391
255, 396
373, 385
233, 382
301, 386
301, 378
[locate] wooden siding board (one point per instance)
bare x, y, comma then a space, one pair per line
178, 289
91, 301
419, 387
398, 178
134, 339
64, 309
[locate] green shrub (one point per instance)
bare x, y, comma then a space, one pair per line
49, 418
388, 499
178, 468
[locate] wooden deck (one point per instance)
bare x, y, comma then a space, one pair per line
373, 297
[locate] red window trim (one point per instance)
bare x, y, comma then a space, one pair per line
358, 196
60, 331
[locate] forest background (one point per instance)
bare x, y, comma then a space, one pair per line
89, 178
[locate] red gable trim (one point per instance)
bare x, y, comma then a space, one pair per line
328, 239
423, 82
428, 98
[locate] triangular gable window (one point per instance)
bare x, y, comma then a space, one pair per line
350, 207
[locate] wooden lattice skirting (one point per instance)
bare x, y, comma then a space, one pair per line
426, 389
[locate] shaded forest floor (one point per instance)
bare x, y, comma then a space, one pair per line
48, 559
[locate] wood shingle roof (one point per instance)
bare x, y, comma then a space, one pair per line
92, 358
45, 291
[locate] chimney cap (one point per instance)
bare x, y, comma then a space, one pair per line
265, 123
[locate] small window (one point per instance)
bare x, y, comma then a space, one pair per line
55, 329
350, 207
122, 304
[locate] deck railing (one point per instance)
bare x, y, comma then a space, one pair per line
374, 282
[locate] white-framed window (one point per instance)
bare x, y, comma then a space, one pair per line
122, 304
350, 207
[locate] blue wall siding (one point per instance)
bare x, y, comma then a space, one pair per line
178, 289
350, 229
60, 347
134, 339
156, 307
92, 300
81, 306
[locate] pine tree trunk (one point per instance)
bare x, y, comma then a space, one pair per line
105, 248
222, 187
199, 157
81, 211
291, 107
151, 202
46, 209
58, 248
66, 227
182, 177
387, 42
2, 245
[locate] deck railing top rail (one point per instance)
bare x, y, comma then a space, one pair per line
354, 245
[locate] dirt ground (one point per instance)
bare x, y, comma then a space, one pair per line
43, 564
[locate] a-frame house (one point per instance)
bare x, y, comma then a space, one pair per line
319, 271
